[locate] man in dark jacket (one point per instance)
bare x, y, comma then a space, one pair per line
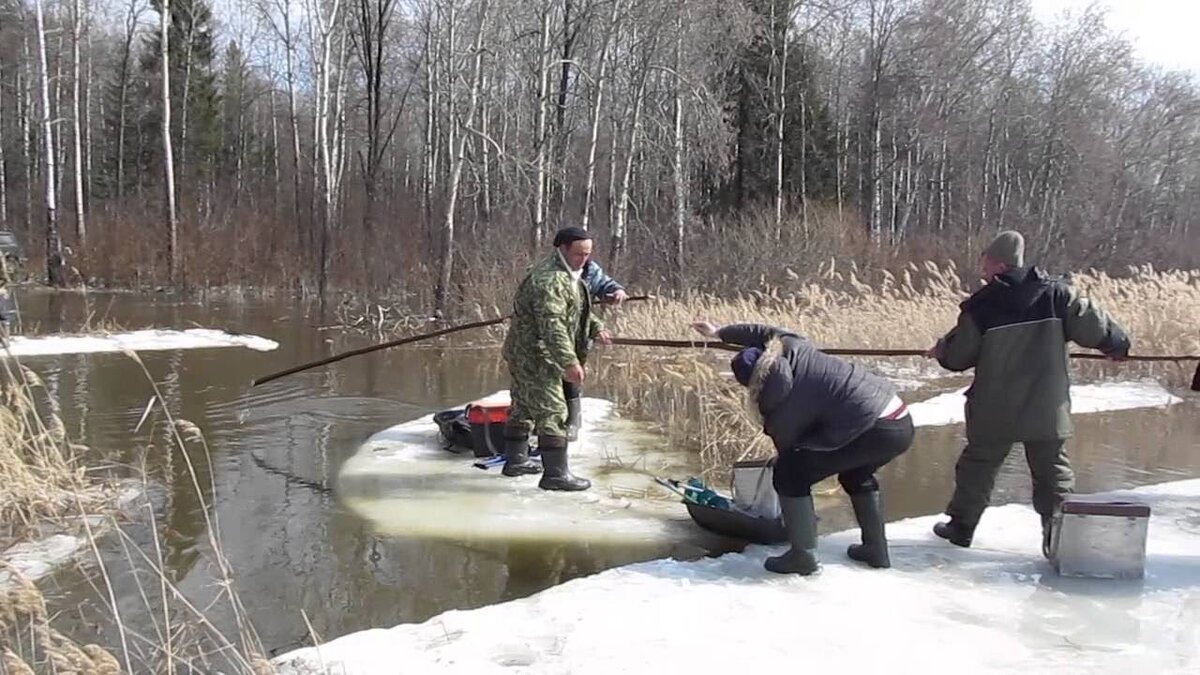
1014, 333
825, 416
601, 287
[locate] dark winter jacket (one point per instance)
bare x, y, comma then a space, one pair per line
805, 398
599, 284
1014, 333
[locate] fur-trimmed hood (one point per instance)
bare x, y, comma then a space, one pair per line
767, 366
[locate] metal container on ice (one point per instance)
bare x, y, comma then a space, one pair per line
1103, 540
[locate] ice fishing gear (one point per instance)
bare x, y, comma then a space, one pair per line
409, 340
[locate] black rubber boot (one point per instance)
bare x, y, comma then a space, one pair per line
956, 532
873, 550
800, 521
1047, 534
573, 415
516, 457
555, 474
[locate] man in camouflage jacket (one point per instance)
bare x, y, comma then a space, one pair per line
1014, 333
602, 287
551, 326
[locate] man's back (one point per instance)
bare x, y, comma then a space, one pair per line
1014, 333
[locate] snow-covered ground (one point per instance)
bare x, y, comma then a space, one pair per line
997, 607
136, 341
402, 482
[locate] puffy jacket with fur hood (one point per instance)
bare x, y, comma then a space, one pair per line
807, 399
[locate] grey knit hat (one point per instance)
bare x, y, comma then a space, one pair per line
1008, 247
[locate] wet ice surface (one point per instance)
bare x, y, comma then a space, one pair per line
404, 483
136, 341
997, 607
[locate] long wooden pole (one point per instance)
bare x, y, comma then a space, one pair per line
724, 346
406, 341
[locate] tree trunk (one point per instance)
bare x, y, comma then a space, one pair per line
56, 264
539, 204
76, 31
456, 161
619, 227
678, 170
3, 173
597, 104
780, 113
173, 257
27, 133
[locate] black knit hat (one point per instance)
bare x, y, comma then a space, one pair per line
570, 234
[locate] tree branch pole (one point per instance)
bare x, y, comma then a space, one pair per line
406, 341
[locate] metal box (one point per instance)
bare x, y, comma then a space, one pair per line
1101, 539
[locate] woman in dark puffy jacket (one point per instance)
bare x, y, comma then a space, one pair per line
826, 416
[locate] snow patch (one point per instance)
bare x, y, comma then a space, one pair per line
948, 408
136, 341
997, 607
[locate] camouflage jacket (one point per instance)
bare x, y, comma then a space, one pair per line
552, 319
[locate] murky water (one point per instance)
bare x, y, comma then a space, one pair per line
302, 559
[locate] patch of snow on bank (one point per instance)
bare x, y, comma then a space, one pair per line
997, 607
136, 341
947, 408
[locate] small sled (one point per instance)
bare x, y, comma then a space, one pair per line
745, 516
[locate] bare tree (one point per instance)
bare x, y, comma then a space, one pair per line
56, 265
456, 160
77, 12
173, 257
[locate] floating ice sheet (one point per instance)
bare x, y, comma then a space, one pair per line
137, 341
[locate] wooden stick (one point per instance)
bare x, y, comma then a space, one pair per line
407, 340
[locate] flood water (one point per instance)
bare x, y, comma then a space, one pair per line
300, 559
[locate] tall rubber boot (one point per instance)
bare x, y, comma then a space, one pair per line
800, 521
1047, 537
556, 475
873, 550
573, 416
516, 457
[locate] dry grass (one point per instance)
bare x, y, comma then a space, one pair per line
698, 406
44, 488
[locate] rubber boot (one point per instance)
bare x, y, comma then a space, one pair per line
516, 457
573, 415
1047, 534
956, 532
800, 521
873, 550
556, 475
